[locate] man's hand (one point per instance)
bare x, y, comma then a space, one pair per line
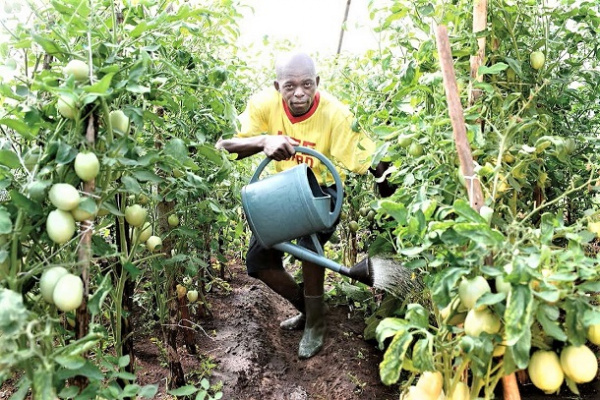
279, 147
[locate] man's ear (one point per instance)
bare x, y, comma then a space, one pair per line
318, 79
276, 85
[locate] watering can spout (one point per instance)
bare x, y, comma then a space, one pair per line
362, 271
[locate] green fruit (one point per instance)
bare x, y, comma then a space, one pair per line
36, 190
60, 226
415, 149
87, 166
153, 243
31, 158
537, 59
119, 121
479, 321
173, 220
363, 211
78, 69
135, 215
192, 296
67, 106
68, 292
79, 214
64, 196
144, 232
353, 226
470, 290
405, 140
48, 282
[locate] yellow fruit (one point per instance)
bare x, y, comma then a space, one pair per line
537, 59
153, 243
545, 371
593, 334
431, 383
461, 392
579, 363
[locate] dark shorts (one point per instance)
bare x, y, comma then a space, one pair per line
259, 258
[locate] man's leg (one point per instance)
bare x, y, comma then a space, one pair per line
314, 331
266, 265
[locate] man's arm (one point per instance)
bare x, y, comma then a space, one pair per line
277, 147
385, 188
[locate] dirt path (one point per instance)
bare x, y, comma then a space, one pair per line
256, 360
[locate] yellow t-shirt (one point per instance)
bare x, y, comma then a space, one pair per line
326, 127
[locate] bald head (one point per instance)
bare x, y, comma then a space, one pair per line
294, 63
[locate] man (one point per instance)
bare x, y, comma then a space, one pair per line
297, 113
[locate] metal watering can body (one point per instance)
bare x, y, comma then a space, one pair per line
290, 205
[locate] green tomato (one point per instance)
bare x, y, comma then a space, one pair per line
470, 290
479, 321
135, 215
415, 149
64, 196
353, 225
78, 69
48, 282
68, 292
60, 226
87, 166
537, 59
119, 121
192, 296
67, 106
144, 232
173, 220
405, 140
82, 215
154, 243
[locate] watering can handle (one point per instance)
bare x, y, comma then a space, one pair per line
336, 177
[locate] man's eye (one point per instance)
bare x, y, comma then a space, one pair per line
307, 84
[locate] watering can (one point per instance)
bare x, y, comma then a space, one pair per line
290, 205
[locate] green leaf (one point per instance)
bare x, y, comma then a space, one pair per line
422, 356
492, 70
488, 299
591, 317
575, 310
18, 126
9, 158
389, 327
480, 233
102, 86
148, 391
210, 153
517, 356
5, 222
49, 46
22, 202
183, 391
97, 299
131, 185
177, 149
464, 209
130, 390
518, 313
124, 361
417, 316
65, 154
70, 362
147, 176
132, 269
391, 366
395, 210
547, 315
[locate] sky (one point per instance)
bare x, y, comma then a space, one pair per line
313, 24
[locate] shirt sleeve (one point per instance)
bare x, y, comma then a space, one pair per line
354, 150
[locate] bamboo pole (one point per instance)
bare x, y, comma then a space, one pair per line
479, 25
509, 382
339, 48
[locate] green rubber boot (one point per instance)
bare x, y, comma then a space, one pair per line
314, 331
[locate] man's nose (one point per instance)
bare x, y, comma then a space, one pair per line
299, 92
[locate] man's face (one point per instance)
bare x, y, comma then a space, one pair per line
298, 89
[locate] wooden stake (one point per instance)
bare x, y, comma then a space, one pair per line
458, 120
479, 24
509, 382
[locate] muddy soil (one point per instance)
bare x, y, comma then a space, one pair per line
256, 360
